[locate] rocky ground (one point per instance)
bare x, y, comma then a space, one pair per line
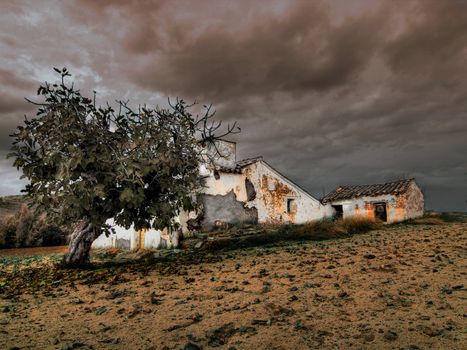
401, 287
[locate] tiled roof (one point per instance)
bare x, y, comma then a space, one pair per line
348, 192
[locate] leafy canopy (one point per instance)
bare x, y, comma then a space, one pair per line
91, 163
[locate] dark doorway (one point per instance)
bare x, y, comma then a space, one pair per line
339, 211
380, 211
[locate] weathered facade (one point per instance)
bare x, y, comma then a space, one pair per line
260, 193
389, 202
247, 191
252, 191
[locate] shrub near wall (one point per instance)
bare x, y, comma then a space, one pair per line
25, 229
310, 231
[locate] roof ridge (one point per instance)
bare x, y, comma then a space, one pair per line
379, 184
248, 161
250, 158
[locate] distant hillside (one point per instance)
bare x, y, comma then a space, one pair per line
10, 204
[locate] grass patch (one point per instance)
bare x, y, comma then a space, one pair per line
310, 231
329, 229
429, 220
453, 217
435, 218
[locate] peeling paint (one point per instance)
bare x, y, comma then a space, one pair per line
273, 192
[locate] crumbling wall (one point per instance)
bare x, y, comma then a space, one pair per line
414, 202
258, 194
226, 183
272, 193
225, 209
224, 201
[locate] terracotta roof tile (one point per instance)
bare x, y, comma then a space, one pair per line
348, 192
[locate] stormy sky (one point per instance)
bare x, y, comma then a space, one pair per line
329, 92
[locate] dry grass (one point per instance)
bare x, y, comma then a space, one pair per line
327, 229
435, 218
360, 224
314, 230
429, 220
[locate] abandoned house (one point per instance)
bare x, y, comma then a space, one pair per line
389, 202
245, 191
252, 191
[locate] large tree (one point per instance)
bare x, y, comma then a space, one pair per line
88, 164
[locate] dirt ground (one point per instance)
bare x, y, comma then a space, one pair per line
402, 287
32, 251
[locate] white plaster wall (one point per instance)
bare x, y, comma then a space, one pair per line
159, 239
104, 242
272, 192
223, 154
152, 239
227, 182
327, 210
120, 233
271, 207
356, 207
415, 202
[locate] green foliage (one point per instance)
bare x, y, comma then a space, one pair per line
94, 163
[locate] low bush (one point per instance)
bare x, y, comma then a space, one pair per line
25, 229
358, 224
328, 228
318, 230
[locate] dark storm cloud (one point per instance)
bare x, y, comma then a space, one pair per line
10, 103
434, 41
328, 91
10, 80
298, 50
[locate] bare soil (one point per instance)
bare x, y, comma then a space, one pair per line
32, 251
401, 287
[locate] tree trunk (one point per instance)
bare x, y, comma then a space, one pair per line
80, 244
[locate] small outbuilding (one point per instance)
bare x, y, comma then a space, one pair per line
388, 202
